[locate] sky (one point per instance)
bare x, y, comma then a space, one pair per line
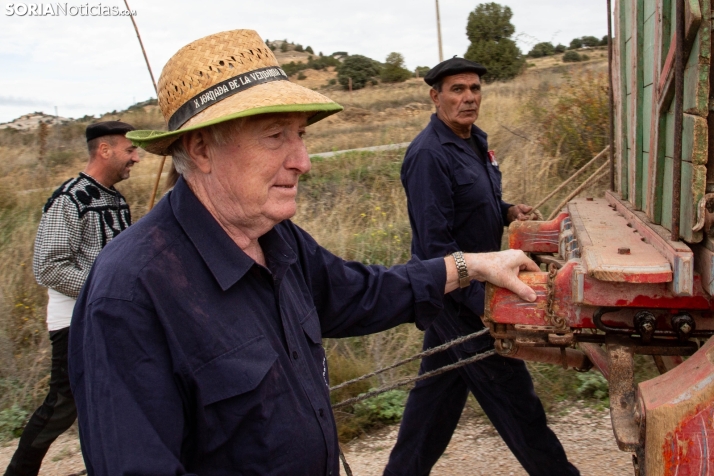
90, 64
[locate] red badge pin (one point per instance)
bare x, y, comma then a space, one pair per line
492, 158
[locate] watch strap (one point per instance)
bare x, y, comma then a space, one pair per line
463, 270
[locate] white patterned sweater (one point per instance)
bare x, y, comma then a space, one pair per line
78, 220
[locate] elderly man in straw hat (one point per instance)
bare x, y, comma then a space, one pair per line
195, 346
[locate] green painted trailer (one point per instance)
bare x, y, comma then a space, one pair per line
633, 272
644, 90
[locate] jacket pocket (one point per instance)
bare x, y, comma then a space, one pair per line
311, 325
466, 175
235, 372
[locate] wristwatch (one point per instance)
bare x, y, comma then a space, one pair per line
464, 280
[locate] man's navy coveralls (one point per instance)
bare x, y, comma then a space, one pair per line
188, 358
454, 199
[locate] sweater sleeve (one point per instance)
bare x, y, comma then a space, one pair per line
56, 246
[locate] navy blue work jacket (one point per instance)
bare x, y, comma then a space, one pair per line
454, 202
187, 357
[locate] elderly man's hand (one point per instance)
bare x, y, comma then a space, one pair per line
500, 268
519, 212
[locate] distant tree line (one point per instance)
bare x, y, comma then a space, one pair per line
490, 33
546, 48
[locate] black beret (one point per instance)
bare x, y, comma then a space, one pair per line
451, 67
108, 128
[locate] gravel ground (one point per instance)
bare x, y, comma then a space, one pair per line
475, 449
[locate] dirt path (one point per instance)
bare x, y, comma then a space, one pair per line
475, 449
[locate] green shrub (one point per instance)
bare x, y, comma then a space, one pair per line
360, 68
312, 63
284, 46
573, 119
332, 82
299, 48
394, 70
542, 49
593, 385
422, 70
560, 48
571, 56
12, 421
309, 50
585, 41
301, 76
387, 407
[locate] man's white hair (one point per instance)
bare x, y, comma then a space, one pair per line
218, 135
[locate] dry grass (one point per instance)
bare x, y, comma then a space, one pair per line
353, 204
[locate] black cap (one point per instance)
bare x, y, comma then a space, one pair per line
451, 67
108, 128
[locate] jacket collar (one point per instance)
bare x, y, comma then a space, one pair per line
111, 191
447, 136
226, 261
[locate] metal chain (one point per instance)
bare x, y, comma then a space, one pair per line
426, 353
558, 322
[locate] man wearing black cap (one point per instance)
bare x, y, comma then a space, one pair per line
453, 188
78, 220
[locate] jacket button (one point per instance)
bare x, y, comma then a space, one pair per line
322, 412
295, 354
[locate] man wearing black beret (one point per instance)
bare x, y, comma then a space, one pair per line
80, 217
453, 188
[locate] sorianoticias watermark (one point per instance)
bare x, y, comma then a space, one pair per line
65, 9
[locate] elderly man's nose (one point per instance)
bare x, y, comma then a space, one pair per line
299, 158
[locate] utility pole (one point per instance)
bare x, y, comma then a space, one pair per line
438, 31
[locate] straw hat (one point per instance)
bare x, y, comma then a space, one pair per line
221, 77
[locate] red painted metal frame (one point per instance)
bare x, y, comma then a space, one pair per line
578, 297
679, 415
535, 236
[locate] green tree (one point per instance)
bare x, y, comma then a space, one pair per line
560, 48
542, 49
309, 50
394, 70
298, 48
284, 46
590, 41
422, 70
572, 57
585, 41
360, 68
489, 29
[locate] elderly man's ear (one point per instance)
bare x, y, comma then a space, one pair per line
196, 145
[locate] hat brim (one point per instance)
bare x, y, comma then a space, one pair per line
273, 97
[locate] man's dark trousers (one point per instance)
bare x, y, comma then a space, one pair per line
53, 418
503, 388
